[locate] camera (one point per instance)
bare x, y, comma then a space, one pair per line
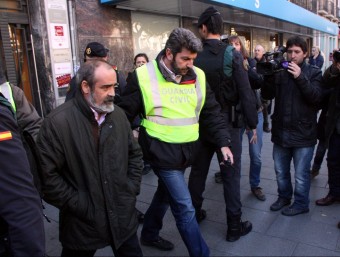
274, 62
336, 56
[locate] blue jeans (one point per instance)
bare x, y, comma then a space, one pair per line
302, 157
172, 189
255, 153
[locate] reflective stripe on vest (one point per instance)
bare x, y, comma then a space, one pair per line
6, 90
172, 110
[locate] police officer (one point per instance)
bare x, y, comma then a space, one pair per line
173, 98
93, 51
211, 60
21, 218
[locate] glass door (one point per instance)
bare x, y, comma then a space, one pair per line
19, 49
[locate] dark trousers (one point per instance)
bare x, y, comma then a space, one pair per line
130, 247
319, 155
333, 163
230, 174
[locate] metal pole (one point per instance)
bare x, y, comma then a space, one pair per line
36, 76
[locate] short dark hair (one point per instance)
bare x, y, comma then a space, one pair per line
183, 38
212, 19
140, 55
297, 41
87, 70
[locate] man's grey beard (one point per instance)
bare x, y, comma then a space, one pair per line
106, 107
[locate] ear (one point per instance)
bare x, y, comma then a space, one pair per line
169, 54
85, 88
204, 28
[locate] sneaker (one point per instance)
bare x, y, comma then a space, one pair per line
218, 178
292, 211
200, 215
160, 244
257, 191
279, 204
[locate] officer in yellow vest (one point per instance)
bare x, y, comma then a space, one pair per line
174, 99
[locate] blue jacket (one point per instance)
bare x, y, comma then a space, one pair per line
318, 61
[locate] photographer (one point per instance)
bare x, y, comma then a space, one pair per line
297, 91
331, 80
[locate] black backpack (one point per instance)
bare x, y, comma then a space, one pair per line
219, 76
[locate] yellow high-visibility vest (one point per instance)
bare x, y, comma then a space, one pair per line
6, 90
172, 110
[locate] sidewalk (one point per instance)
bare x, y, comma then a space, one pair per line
311, 234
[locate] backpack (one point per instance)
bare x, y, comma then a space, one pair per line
216, 60
228, 88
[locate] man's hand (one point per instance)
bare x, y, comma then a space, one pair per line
253, 139
227, 154
294, 69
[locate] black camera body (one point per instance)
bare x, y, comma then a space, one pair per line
336, 56
274, 62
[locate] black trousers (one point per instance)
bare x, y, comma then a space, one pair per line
230, 174
130, 247
333, 163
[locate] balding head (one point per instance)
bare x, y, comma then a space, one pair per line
259, 52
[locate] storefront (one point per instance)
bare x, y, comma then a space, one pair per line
264, 22
16, 53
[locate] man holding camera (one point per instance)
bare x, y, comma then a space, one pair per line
297, 91
332, 131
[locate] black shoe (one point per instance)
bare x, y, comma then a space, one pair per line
235, 231
200, 215
292, 211
140, 216
279, 204
266, 128
160, 244
314, 172
257, 191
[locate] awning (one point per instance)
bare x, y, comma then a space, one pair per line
278, 9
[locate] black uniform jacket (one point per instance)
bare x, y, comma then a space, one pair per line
296, 105
331, 80
91, 173
20, 206
166, 155
211, 62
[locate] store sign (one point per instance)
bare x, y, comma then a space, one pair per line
60, 46
278, 9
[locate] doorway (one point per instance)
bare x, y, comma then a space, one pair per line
18, 38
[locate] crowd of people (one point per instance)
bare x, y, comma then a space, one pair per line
196, 99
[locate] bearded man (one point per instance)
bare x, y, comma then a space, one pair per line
92, 167
173, 99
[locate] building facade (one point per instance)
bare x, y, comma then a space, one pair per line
42, 42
